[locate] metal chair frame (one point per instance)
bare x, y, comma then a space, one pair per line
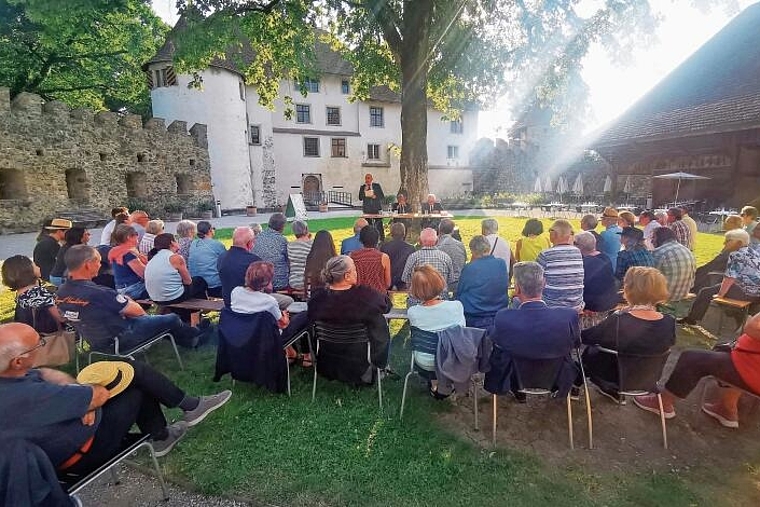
362, 339
109, 465
641, 392
529, 391
129, 354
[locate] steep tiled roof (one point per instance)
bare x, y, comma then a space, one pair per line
328, 61
715, 89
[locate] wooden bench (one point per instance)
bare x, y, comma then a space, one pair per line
297, 294
196, 307
726, 304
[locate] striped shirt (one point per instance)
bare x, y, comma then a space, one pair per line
677, 263
563, 272
297, 252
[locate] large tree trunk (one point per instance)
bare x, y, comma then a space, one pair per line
415, 64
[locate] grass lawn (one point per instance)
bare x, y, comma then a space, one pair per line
340, 451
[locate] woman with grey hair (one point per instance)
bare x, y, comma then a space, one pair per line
343, 302
599, 289
185, 234
152, 229
298, 250
482, 287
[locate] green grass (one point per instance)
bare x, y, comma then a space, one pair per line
340, 451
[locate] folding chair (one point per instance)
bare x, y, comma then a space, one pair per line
285, 346
427, 342
638, 375
130, 353
73, 484
537, 377
341, 336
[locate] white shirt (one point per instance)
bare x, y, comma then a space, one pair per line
105, 236
243, 300
502, 249
649, 233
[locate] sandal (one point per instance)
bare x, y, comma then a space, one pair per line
291, 354
438, 396
306, 361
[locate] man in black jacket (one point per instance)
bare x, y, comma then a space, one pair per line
372, 197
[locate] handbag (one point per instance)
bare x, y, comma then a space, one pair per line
59, 348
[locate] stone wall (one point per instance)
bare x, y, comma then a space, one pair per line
56, 160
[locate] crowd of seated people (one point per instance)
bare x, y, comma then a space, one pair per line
563, 280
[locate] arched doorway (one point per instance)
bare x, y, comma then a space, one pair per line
312, 189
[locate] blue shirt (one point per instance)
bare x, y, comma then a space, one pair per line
348, 245
232, 267
272, 247
47, 414
94, 310
611, 244
123, 276
202, 260
482, 287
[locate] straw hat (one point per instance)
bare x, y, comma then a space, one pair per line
59, 224
113, 375
610, 213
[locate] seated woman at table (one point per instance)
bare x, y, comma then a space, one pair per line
127, 263
167, 279
639, 329
432, 314
343, 302
533, 241
256, 297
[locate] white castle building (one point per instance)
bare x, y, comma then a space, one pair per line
258, 156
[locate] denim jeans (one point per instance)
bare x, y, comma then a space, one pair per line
135, 291
145, 327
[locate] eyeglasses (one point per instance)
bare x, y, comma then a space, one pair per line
39, 345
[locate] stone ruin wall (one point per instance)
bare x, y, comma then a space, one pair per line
54, 160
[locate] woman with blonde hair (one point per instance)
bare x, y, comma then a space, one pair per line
432, 314
637, 329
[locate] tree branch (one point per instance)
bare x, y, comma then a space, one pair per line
264, 8
389, 23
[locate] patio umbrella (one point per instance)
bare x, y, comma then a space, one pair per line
680, 175
578, 185
548, 184
608, 184
537, 185
562, 185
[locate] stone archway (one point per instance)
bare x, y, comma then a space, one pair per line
311, 185
76, 184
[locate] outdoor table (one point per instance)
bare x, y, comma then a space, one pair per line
723, 212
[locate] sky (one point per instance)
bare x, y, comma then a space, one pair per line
612, 88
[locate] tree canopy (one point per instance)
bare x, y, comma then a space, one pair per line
86, 53
449, 53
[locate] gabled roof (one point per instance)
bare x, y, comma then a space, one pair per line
716, 89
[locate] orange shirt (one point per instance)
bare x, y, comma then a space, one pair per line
747, 363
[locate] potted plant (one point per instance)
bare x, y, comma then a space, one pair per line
173, 210
205, 209
324, 206
251, 210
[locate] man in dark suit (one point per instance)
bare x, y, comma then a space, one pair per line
371, 195
532, 331
431, 207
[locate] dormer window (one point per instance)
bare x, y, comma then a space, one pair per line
159, 78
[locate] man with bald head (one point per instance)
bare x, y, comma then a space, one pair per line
81, 426
429, 254
233, 264
348, 245
372, 197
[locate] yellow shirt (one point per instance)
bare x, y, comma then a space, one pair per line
529, 248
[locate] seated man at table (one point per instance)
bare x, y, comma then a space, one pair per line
80, 426
431, 207
400, 206
348, 245
101, 314
532, 331
741, 280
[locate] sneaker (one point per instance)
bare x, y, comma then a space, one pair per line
206, 405
519, 397
714, 409
176, 432
611, 394
649, 403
